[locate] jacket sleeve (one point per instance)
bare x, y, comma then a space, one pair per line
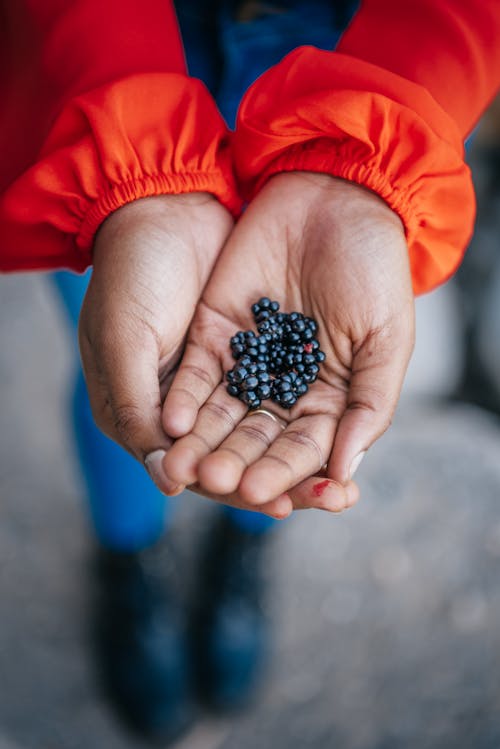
99, 112
389, 109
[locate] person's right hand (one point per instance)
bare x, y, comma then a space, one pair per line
152, 259
336, 252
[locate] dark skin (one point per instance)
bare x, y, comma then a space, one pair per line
319, 245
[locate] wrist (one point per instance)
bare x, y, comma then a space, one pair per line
343, 197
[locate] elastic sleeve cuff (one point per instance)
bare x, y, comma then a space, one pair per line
150, 134
325, 112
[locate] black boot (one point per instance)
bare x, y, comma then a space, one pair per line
140, 639
229, 629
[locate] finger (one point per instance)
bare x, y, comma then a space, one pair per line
299, 452
377, 377
322, 493
216, 420
197, 377
221, 471
279, 508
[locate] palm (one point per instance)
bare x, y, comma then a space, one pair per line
151, 262
337, 253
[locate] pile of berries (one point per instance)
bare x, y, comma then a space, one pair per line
279, 362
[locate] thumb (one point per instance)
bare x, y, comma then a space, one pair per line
378, 371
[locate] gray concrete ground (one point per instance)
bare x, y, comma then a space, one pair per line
385, 618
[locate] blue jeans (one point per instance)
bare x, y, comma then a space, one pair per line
126, 509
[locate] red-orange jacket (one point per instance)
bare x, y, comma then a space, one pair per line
97, 110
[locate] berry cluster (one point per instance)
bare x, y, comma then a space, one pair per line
279, 362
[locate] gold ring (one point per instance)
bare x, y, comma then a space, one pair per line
272, 416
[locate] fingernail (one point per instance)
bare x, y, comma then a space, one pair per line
154, 466
355, 463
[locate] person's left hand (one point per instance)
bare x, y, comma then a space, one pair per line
336, 252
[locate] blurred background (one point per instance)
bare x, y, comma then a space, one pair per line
386, 619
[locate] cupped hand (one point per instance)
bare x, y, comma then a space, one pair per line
336, 252
152, 259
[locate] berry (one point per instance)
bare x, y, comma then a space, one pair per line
263, 391
239, 374
251, 398
250, 383
288, 400
279, 361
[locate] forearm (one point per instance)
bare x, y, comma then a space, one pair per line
115, 118
452, 49
343, 114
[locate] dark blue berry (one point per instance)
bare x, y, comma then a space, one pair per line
298, 326
263, 316
288, 399
239, 374
264, 391
238, 349
278, 361
250, 383
251, 398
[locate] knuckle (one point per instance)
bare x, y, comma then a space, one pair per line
199, 374
179, 390
254, 434
127, 421
220, 412
301, 438
381, 414
280, 462
203, 442
102, 417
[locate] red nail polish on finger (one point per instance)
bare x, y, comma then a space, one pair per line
320, 487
